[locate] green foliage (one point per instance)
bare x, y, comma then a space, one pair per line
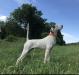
59, 39
12, 28
44, 34
17, 22
10, 38
64, 59
2, 30
29, 14
2, 24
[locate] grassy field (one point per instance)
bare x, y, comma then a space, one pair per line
64, 59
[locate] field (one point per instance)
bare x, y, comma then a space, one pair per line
64, 59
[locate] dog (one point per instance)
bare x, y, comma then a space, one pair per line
46, 43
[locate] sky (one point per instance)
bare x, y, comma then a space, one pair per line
63, 12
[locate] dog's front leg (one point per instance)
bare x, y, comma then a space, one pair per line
22, 56
47, 56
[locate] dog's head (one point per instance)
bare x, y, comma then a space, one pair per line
55, 28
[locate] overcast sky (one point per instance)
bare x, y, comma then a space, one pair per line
64, 12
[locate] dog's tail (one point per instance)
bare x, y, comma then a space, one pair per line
27, 31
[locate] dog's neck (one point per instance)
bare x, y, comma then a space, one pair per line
53, 34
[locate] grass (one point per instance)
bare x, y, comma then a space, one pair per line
64, 59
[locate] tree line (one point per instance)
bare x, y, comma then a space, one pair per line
17, 22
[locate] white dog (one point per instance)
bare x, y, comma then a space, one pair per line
45, 43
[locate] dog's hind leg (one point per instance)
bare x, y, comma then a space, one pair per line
22, 56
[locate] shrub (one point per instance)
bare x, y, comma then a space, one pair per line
11, 38
44, 34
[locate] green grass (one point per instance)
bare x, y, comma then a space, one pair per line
64, 59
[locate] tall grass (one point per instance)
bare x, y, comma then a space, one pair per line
64, 59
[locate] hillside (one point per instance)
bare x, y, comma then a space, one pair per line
64, 59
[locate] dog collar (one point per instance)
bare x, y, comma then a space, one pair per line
52, 33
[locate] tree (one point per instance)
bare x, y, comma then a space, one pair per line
20, 17
29, 14
12, 28
59, 38
2, 30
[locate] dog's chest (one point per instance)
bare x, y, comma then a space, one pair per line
50, 40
